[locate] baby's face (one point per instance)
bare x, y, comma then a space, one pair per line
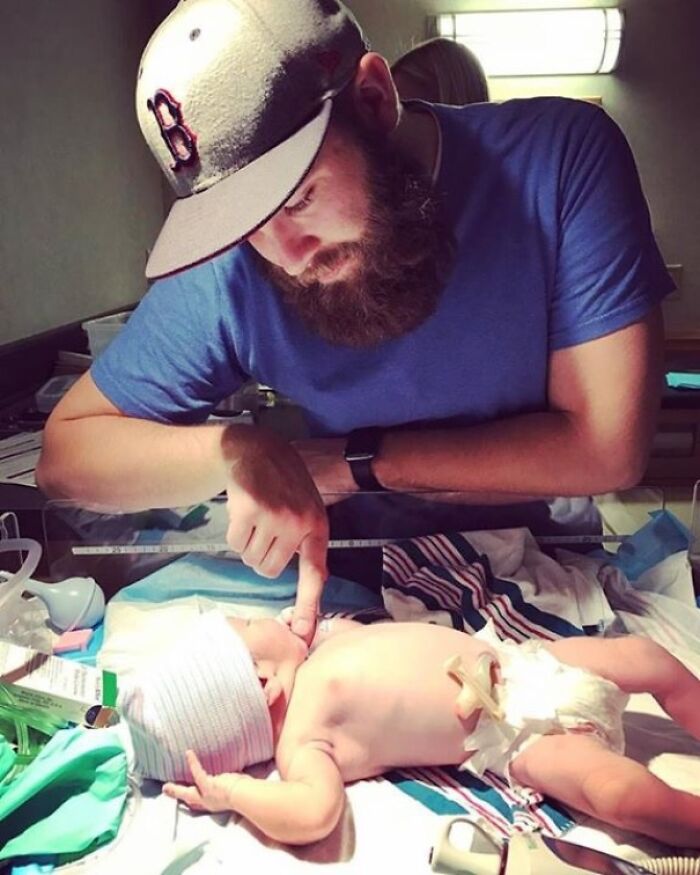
270, 640
276, 654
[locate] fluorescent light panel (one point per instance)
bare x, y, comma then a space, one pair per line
539, 42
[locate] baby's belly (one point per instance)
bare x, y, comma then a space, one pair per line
434, 740
383, 698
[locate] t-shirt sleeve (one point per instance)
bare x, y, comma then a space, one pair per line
609, 270
174, 360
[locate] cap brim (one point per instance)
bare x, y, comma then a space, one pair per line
204, 224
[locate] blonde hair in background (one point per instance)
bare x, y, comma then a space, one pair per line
440, 70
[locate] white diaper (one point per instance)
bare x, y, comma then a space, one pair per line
541, 696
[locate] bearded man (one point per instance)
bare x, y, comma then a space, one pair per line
461, 300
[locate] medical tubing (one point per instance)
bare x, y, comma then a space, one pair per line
14, 585
671, 865
29, 566
25, 729
35, 718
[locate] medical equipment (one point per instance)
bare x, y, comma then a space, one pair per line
19, 620
74, 602
71, 603
14, 585
26, 730
339, 543
536, 854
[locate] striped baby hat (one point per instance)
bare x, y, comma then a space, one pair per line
203, 694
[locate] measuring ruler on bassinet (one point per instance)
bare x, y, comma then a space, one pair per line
335, 544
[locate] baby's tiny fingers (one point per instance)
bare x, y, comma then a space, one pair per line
199, 773
189, 795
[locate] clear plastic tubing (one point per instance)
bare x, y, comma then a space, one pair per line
15, 584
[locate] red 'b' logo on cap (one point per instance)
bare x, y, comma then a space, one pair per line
181, 142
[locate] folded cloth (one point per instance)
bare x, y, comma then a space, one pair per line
167, 705
463, 580
69, 800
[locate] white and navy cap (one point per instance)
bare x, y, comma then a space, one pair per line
234, 98
203, 695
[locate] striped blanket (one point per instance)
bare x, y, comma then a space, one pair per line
464, 580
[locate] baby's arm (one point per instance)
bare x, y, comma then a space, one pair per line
303, 808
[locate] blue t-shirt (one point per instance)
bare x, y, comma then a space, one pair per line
554, 248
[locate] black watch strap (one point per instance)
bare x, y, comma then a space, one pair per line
361, 448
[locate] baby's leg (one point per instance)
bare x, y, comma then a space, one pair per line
580, 771
638, 665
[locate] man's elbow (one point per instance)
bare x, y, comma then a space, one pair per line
56, 461
621, 468
50, 477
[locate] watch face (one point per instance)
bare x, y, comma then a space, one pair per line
362, 444
360, 450
358, 456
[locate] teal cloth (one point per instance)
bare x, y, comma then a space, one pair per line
232, 581
69, 800
683, 380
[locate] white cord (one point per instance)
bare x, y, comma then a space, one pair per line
672, 865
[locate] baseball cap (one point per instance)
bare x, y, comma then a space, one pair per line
234, 100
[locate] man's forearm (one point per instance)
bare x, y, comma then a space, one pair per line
539, 454
603, 397
131, 464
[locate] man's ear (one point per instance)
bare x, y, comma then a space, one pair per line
374, 93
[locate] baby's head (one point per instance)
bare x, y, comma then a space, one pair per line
222, 692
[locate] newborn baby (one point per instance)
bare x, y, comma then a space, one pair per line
365, 699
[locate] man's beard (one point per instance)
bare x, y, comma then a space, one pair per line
398, 267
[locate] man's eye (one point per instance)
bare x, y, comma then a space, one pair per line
292, 209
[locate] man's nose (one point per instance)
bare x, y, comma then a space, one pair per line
288, 245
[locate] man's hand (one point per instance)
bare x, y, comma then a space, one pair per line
327, 627
275, 511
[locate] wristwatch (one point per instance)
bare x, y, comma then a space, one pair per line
361, 448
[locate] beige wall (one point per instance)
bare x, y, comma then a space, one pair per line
654, 96
80, 196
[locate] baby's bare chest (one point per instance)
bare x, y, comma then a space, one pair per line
379, 706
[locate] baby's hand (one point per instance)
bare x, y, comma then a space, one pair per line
210, 793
